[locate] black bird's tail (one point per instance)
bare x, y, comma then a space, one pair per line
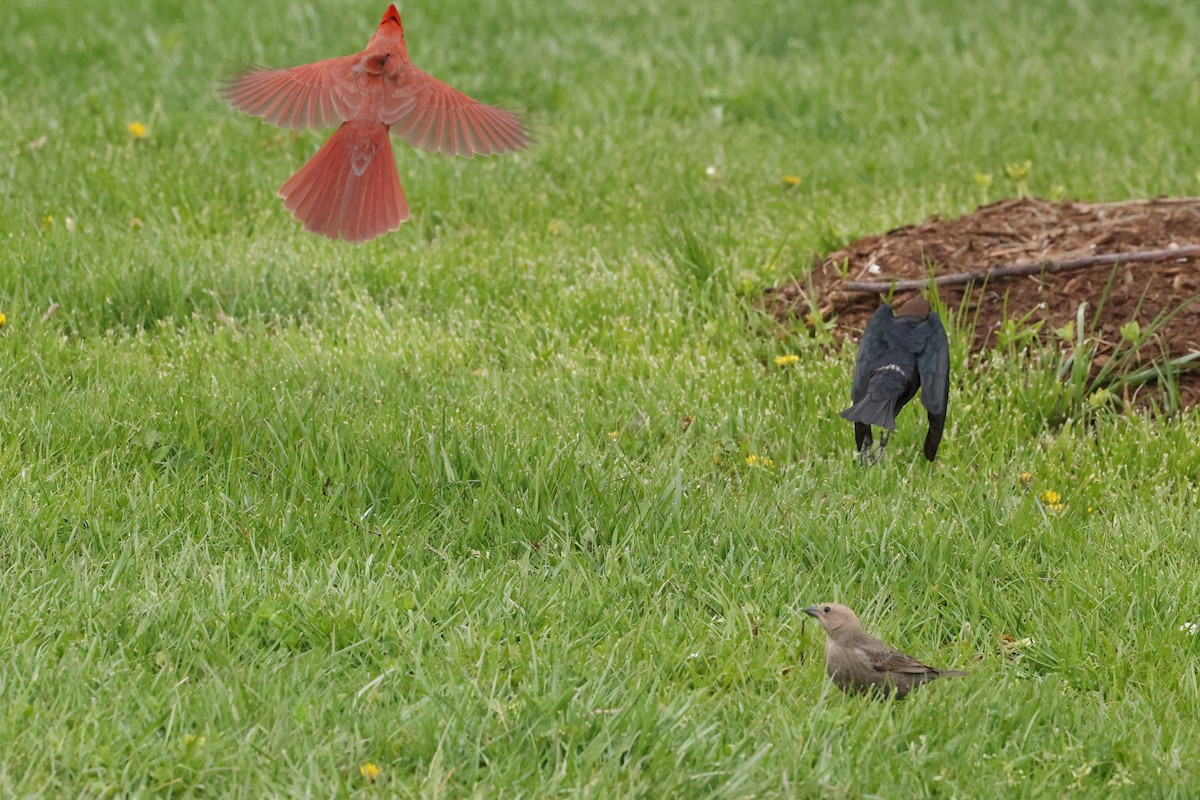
873, 411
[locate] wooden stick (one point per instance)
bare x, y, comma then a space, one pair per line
1149, 201
1023, 268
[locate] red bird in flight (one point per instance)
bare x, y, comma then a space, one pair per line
350, 188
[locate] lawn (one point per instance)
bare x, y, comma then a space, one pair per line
516, 501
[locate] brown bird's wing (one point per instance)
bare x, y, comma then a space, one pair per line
433, 116
309, 96
884, 659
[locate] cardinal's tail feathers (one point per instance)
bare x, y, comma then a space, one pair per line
873, 411
350, 188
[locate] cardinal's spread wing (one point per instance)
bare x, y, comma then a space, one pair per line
430, 115
873, 345
309, 96
933, 365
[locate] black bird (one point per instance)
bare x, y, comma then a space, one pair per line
898, 355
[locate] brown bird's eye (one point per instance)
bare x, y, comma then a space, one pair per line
827, 609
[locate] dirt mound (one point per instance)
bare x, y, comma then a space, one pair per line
1029, 261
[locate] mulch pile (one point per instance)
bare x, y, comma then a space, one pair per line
1044, 258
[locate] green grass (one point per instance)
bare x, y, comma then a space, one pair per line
274, 508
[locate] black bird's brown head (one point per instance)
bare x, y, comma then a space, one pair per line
832, 616
913, 307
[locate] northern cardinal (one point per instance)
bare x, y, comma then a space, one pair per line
350, 188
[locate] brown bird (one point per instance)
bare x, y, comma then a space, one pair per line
858, 662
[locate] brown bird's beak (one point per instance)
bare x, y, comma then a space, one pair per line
812, 612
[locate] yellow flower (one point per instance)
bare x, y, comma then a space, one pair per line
368, 772
553, 226
783, 361
791, 180
613, 434
759, 461
1026, 478
1052, 500
3, 319
137, 130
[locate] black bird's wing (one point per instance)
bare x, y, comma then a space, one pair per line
873, 345
933, 365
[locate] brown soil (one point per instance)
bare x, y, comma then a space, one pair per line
1034, 234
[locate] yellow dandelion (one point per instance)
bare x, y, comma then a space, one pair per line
759, 461
3, 319
137, 130
783, 361
47, 221
368, 772
1025, 478
791, 180
613, 434
1052, 500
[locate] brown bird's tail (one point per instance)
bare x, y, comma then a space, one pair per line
350, 188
